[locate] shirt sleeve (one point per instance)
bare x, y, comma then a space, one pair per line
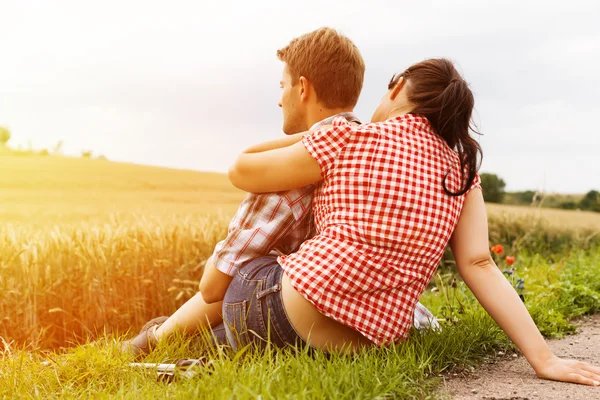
325, 144
476, 183
259, 223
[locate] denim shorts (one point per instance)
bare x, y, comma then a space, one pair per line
253, 312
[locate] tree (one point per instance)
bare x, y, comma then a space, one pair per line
591, 201
4, 136
493, 188
526, 197
568, 205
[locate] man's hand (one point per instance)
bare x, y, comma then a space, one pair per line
560, 369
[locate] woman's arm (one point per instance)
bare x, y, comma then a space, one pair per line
278, 143
469, 245
276, 169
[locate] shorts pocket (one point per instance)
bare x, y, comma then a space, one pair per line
235, 319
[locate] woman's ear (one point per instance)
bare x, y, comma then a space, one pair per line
397, 88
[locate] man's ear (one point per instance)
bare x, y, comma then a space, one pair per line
396, 89
304, 88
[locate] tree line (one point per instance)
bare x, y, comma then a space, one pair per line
5, 136
494, 192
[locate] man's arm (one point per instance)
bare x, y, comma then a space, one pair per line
469, 245
260, 223
214, 283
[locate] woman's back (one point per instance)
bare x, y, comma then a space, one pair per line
384, 221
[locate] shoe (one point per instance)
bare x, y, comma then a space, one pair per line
142, 344
185, 367
424, 319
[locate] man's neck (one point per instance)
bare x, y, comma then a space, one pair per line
319, 114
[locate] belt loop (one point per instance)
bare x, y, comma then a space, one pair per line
273, 289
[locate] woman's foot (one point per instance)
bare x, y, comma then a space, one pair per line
143, 343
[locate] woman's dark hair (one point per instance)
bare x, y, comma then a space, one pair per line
439, 93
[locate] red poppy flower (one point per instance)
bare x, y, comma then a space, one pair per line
498, 249
510, 260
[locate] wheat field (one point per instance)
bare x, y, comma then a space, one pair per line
47, 191
91, 246
555, 218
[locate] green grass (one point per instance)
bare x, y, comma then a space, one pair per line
402, 371
554, 292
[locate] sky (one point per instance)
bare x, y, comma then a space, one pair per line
190, 84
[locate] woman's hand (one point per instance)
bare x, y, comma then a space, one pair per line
560, 369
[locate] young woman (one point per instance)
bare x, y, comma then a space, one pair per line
391, 196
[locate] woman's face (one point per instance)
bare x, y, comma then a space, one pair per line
394, 101
383, 109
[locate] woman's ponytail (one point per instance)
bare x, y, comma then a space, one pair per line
443, 96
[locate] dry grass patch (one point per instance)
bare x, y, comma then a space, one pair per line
554, 218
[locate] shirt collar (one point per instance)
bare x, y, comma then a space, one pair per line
350, 117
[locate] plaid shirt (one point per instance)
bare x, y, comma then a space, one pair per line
383, 222
279, 223
269, 223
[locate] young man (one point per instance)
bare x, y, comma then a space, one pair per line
322, 79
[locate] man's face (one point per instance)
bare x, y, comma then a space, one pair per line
293, 110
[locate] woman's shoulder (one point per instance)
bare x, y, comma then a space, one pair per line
399, 123
405, 122
408, 127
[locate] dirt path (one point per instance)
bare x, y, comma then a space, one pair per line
514, 379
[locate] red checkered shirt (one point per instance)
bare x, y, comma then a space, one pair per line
383, 222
